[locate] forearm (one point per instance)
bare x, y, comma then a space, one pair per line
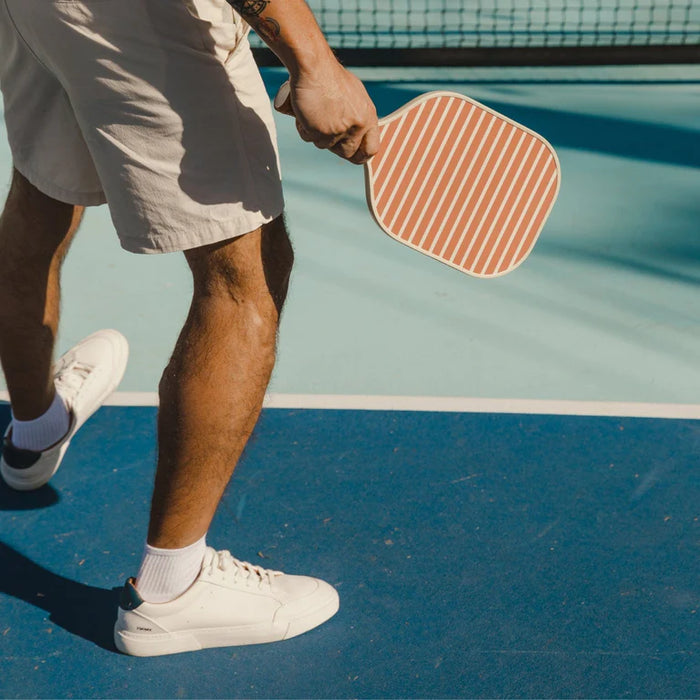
289, 28
331, 106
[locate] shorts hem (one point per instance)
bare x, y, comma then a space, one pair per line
83, 199
172, 243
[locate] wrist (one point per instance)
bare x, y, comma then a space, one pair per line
307, 57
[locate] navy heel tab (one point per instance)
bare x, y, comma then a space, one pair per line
129, 598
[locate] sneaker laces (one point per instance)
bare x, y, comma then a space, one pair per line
238, 570
71, 378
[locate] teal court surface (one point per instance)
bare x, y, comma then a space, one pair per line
500, 477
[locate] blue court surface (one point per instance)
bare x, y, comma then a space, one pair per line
475, 555
500, 477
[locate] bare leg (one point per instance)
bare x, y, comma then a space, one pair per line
35, 234
211, 392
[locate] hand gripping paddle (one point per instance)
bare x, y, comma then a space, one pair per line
459, 182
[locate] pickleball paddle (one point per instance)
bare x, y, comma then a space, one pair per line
457, 181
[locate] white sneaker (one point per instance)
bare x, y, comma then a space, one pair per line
84, 377
230, 603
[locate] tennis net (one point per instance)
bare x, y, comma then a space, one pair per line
511, 32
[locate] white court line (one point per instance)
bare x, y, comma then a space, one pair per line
444, 404
480, 405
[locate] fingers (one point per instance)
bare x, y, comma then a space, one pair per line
344, 145
360, 147
320, 140
368, 146
305, 135
347, 145
357, 147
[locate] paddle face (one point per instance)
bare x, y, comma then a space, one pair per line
461, 183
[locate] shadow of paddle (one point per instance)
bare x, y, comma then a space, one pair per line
86, 611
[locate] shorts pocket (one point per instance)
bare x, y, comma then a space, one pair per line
222, 28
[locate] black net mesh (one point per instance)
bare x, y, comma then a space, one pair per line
469, 25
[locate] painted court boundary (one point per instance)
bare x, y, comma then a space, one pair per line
444, 404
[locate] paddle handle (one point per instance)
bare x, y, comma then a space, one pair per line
283, 99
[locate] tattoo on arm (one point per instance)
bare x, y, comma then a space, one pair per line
268, 28
251, 10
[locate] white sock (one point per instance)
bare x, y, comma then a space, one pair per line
44, 431
166, 574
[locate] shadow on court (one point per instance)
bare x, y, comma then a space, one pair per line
627, 138
86, 611
44, 497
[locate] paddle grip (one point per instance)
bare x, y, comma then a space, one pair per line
283, 99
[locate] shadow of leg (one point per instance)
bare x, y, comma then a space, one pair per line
44, 497
86, 611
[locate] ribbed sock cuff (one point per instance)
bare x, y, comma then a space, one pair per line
166, 574
44, 431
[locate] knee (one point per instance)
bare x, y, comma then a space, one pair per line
251, 271
245, 279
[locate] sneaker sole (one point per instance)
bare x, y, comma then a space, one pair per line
136, 644
17, 479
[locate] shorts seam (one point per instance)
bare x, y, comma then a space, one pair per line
200, 31
207, 39
238, 21
23, 40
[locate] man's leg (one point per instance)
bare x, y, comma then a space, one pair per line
188, 596
49, 402
35, 233
211, 392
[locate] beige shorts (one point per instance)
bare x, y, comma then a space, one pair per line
153, 106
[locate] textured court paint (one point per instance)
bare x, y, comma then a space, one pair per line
605, 309
475, 556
